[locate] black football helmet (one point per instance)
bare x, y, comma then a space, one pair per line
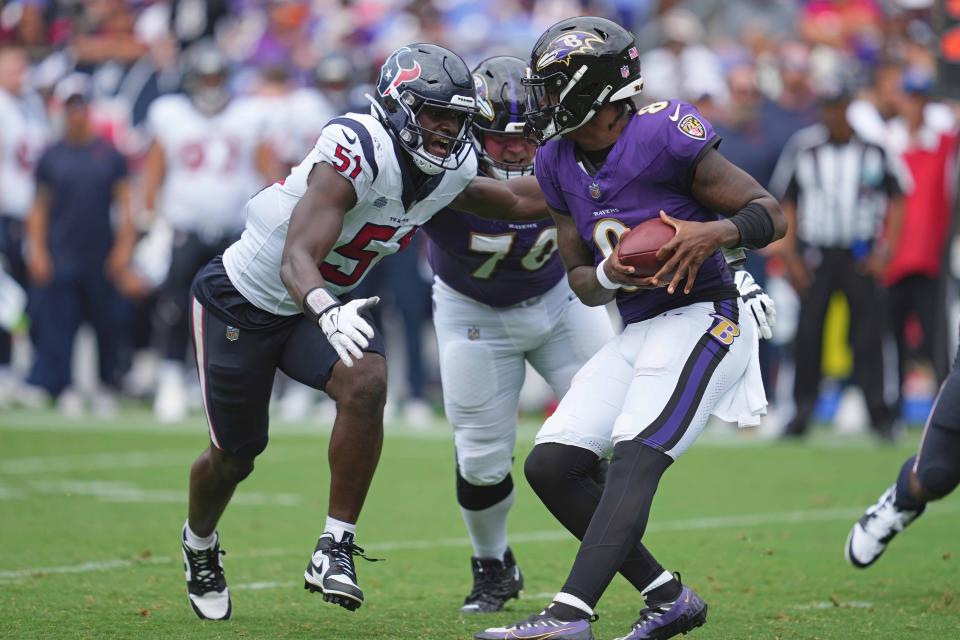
206, 71
577, 66
422, 76
500, 103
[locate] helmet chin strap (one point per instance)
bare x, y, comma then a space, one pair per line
425, 165
596, 106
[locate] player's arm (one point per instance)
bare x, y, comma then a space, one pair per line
125, 237
518, 199
595, 285
315, 225
751, 218
267, 163
154, 171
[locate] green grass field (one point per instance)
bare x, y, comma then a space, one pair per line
90, 515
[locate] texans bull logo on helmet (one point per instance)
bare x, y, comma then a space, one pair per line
566, 45
394, 73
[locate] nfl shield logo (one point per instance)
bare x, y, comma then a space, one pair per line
595, 191
473, 333
625, 71
232, 334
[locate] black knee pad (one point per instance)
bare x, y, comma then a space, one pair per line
478, 498
551, 463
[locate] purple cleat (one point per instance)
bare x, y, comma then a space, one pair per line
541, 626
662, 621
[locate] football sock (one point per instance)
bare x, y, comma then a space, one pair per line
488, 528
338, 528
903, 497
565, 479
567, 607
198, 542
619, 521
484, 510
664, 589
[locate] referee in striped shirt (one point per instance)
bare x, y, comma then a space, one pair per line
843, 198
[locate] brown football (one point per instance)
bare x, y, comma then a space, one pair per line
638, 247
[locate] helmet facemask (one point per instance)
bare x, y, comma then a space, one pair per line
558, 103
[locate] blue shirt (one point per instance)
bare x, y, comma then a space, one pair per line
80, 180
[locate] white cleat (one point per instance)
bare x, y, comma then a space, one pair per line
875, 529
206, 584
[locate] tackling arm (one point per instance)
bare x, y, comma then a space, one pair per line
518, 199
315, 225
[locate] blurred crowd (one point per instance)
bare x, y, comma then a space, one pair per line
132, 132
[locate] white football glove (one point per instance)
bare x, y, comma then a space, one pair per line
348, 333
758, 301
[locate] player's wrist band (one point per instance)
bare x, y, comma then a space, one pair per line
317, 301
755, 226
605, 282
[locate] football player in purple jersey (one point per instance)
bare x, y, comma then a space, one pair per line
605, 167
500, 301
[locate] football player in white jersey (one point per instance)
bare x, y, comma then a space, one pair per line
23, 136
500, 300
369, 183
207, 157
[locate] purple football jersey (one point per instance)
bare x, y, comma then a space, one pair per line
496, 263
649, 168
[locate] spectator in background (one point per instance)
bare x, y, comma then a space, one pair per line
75, 249
796, 98
926, 137
208, 156
774, 18
843, 199
683, 68
23, 135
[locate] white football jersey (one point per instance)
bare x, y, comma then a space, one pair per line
387, 214
210, 162
23, 136
295, 122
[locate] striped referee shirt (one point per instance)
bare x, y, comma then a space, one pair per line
841, 190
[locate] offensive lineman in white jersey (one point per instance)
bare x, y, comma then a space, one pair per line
361, 194
23, 136
208, 157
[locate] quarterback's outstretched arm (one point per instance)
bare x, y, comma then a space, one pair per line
518, 199
315, 225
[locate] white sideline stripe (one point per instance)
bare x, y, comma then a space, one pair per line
7, 577
125, 492
257, 586
853, 604
95, 461
694, 524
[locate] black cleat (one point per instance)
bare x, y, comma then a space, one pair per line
206, 584
331, 571
494, 583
